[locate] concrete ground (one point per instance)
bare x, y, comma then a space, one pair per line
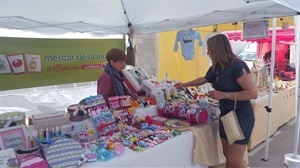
280, 143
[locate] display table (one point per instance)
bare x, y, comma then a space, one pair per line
198, 147
283, 110
176, 152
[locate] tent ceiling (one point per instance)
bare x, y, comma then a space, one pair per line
101, 17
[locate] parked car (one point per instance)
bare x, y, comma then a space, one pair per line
248, 57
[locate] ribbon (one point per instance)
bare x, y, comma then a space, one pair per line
11, 119
78, 108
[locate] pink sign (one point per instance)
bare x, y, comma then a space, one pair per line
13, 137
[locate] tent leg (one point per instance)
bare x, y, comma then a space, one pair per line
293, 159
270, 88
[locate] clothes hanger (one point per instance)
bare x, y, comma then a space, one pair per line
215, 28
186, 29
235, 23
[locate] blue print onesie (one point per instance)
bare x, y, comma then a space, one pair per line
187, 39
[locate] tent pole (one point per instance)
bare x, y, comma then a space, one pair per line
297, 119
293, 159
269, 107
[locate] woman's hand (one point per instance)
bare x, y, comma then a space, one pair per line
179, 85
215, 94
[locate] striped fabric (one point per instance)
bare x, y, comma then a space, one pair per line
232, 127
64, 153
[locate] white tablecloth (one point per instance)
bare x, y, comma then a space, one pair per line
177, 152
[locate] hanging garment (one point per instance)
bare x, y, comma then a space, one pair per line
187, 39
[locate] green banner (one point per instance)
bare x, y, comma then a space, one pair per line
26, 62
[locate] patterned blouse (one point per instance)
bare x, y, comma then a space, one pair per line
268, 65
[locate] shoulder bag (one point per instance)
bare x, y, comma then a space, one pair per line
232, 126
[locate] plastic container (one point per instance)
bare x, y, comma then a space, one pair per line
124, 101
114, 102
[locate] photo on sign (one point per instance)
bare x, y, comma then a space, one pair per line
33, 63
13, 137
4, 65
256, 29
16, 62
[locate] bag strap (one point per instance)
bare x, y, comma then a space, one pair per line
234, 101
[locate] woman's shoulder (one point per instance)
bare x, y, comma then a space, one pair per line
238, 62
105, 76
237, 66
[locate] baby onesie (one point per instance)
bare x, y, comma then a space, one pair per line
187, 39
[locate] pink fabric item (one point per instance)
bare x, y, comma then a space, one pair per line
21, 153
33, 161
281, 50
203, 116
262, 48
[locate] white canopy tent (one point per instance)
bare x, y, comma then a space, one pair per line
104, 17
101, 17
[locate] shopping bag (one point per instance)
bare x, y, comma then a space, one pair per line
232, 126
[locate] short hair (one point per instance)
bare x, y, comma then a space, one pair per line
115, 54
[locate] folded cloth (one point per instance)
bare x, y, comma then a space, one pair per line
207, 147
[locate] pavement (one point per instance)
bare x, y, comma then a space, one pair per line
280, 143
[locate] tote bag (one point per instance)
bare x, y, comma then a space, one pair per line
232, 126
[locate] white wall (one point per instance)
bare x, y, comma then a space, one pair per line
146, 52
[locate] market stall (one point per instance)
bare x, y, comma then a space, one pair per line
200, 138
123, 21
283, 111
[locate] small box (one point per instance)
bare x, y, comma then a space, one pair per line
114, 102
152, 84
158, 120
78, 112
11, 119
55, 118
124, 101
134, 78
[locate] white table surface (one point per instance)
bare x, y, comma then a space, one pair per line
176, 152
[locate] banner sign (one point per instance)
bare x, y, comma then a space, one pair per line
26, 62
